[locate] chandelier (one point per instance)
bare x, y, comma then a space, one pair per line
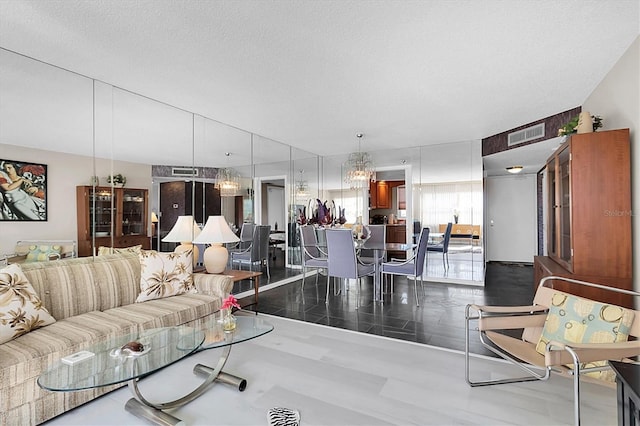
302, 188
360, 168
227, 181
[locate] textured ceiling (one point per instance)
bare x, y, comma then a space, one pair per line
313, 73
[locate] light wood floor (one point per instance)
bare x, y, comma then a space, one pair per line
341, 377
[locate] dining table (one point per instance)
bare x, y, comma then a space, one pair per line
377, 248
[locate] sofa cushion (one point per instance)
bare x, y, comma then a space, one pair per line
20, 307
67, 287
25, 358
119, 250
165, 274
43, 253
117, 277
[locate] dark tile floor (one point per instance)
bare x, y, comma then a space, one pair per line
438, 321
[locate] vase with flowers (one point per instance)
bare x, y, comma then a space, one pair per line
227, 318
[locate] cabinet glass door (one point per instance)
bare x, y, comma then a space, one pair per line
101, 211
133, 212
564, 181
553, 204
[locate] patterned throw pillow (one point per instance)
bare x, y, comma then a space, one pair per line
165, 274
572, 319
20, 307
115, 250
43, 253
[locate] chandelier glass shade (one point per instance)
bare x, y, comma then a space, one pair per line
302, 188
228, 182
360, 168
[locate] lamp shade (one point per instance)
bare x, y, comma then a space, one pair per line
185, 229
215, 232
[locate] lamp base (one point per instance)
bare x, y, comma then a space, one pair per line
188, 246
215, 258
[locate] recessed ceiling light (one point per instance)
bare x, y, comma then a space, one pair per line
514, 169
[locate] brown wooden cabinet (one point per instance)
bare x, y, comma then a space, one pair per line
589, 211
379, 195
115, 217
396, 234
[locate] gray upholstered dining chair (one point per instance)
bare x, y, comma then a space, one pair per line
312, 255
343, 262
412, 267
377, 235
246, 236
443, 246
257, 252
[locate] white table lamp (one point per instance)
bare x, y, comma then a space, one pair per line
216, 232
184, 232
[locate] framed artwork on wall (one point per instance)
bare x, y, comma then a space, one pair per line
23, 191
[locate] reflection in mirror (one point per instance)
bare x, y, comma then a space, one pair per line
451, 193
45, 118
273, 179
304, 188
128, 128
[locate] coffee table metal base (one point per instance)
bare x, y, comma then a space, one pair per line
153, 411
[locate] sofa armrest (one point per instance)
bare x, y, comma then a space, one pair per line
213, 284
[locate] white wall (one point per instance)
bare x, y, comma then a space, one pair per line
64, 173
617, 100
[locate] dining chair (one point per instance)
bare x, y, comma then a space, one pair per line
412, 267
246, 236
442, 246
257, 252
377, 235
312, 255
343, 262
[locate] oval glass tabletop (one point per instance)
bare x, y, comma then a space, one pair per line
248, 326
107, 364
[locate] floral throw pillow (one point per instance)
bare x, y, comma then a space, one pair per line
165, 274
21, 310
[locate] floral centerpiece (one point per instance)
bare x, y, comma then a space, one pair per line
228, 320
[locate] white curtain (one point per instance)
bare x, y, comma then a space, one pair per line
439, 202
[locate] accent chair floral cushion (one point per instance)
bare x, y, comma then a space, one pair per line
118, 250
42, 253
21, 310
573, 319
165, 274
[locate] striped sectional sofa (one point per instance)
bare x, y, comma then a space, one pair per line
90, 299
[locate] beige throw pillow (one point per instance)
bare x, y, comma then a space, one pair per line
102, 250
21, 310
165, 274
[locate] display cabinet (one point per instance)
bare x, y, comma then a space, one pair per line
589, 212
112, 217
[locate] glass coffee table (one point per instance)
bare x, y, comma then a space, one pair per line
107, 365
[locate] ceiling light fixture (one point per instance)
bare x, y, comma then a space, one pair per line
227, 180
360, 168
515, 169
302, 188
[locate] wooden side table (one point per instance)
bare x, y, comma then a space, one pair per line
239, 275
628, 379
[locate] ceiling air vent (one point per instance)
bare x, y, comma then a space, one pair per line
184, 172
526, 135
